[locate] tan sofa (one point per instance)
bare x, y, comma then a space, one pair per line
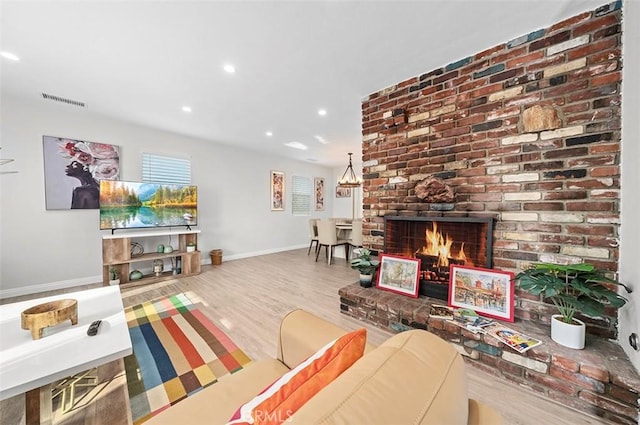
412, 378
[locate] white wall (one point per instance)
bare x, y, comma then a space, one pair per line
42, 250
343, 207
629, 316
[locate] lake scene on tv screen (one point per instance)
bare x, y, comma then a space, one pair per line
126, 205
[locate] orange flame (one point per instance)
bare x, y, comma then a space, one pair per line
440, 246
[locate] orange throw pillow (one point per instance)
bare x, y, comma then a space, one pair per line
285, 396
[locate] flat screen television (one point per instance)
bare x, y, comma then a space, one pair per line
130, 205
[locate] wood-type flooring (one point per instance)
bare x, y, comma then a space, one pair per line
247, 299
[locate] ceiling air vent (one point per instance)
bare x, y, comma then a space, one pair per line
63, 100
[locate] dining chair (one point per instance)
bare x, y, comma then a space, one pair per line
356, 234
328, 237
313, 234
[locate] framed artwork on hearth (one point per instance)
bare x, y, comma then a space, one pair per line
488, 292
399, 274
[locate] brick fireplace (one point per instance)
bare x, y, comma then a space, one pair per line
439, 242
526, 133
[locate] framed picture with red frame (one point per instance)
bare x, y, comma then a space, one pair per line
399, 274
488, 292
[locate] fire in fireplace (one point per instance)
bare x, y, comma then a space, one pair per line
439, 242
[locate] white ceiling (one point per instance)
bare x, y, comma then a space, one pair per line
141, 61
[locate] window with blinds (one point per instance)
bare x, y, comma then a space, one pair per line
301, 195
165, 169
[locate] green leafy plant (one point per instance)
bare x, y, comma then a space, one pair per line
363, 263
113, 273
571, 288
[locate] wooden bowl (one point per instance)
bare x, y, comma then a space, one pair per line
40, 316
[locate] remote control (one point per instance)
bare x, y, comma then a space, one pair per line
93, 328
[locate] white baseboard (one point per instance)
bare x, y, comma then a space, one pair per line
53, 286
256, 253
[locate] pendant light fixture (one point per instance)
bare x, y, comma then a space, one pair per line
349, 178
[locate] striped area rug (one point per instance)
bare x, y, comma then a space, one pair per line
177, 351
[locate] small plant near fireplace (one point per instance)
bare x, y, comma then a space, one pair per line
366, 266
571, 288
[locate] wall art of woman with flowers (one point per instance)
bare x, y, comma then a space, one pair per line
73, 170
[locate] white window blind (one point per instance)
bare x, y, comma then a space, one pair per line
301, 195
165, 169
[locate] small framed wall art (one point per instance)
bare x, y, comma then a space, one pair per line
399, 275
488, 292
318, 184
343, 192
277, 190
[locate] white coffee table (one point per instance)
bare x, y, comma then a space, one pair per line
65, 349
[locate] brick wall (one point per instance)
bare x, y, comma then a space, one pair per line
527, 131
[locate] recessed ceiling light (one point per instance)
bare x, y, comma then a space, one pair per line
297, 145
229, 68
186, 108
10, 56
269, 134
322, 112
321, 139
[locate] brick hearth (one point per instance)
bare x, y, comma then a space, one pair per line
598, 380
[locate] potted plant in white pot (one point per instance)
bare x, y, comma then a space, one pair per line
114, 279
366, 266
571, 288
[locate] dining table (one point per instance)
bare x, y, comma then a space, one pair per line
343, 226
343, 229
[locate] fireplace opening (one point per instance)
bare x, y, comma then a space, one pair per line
439, 242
